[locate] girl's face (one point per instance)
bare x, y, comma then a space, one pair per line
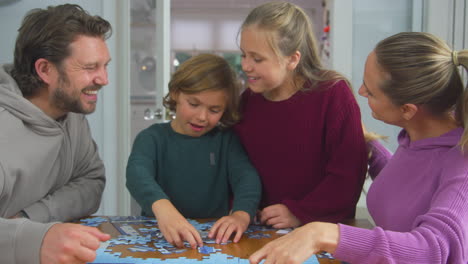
197, 114
382, 107
267, 74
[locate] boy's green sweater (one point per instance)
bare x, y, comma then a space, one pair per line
199, 175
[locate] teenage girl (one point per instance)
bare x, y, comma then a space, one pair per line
301, 123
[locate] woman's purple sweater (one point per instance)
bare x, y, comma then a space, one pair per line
419, 202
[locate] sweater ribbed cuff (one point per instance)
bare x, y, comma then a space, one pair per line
355, 243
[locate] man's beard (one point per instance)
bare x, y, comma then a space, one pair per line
71, 103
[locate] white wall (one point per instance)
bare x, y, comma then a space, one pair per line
448, 20
13, 11
214, 25
374, 21
356, 27
197, 30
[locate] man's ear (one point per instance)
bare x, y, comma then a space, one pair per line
45, 70
409, 110
294, 60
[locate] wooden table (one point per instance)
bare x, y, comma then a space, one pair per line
243, 249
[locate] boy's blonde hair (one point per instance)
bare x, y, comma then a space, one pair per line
207, 72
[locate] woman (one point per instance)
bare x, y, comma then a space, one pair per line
419, 199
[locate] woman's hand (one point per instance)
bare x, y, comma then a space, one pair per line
297, 246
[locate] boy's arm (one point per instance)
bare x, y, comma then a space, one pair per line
243, 178
141, 171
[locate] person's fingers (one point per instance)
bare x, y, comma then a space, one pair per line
167, 235
198, 238
256, 257
214, 229
220, 233
70, 244
104, 237
280, 225
177, 240
89, 241
267, 213
274, 221
264, 218
238, 235
227, 234
191, 240
84, 254
98, 233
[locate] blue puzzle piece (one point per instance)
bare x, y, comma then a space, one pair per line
207, 249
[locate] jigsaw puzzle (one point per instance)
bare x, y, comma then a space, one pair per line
150, 239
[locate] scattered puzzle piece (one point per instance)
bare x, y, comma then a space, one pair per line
207, 249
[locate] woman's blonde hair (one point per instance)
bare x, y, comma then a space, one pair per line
207, 72
288, 29
423, 70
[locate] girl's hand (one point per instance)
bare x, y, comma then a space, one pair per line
297, 246
223, 228
175, 228
278, 216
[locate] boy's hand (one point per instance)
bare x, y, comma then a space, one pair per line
175, 228
225, 226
